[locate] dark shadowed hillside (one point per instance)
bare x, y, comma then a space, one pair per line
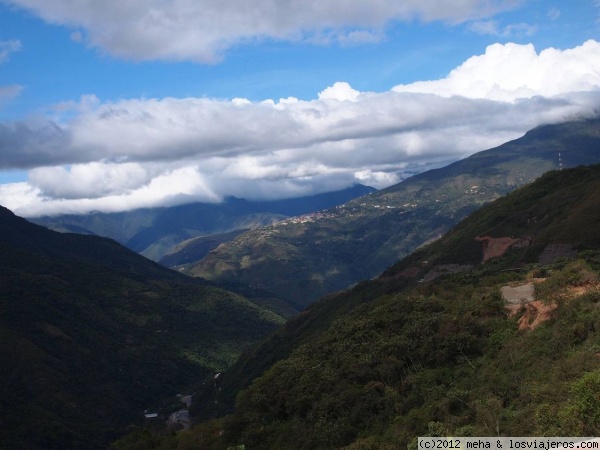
93, 334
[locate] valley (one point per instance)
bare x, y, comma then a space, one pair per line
331, 243
93, 334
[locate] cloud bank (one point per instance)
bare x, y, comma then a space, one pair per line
201, 30
113, 156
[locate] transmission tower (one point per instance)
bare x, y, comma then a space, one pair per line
559, 162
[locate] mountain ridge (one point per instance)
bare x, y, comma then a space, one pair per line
301, 261
155, 232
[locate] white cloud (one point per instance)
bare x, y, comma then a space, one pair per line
92, 180
119, 155
20, 197
8, 47
377, 179
201, 30
339, 91
172, 187
509, 72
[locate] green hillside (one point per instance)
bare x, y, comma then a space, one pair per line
398, 357
196, 248
92, 334
300, 260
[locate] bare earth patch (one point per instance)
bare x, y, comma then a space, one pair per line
521, 299
535, 312
518, 294
495, 247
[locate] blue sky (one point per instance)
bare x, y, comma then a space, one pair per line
124, 104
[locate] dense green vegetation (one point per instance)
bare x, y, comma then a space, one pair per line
391, 359
302, 260
92, 334
441, 357
196, 248
445, 354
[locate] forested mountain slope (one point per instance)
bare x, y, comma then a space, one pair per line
92, 334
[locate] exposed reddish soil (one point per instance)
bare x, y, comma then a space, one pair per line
495, 247
536, 313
